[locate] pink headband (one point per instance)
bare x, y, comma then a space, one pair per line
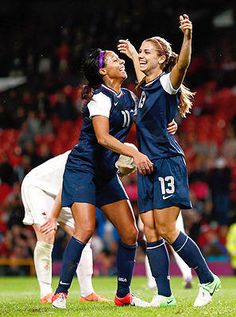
100, 59
159, 43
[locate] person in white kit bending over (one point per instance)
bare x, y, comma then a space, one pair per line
41, 196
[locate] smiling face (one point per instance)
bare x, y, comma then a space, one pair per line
114, 66
150, 58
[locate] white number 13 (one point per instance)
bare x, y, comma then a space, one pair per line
167, 184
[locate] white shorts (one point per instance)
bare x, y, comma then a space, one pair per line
38, 205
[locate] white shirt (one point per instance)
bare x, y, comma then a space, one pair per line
167, 85
49, 175
100, 105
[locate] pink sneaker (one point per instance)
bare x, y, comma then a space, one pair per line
93, 297
47, 299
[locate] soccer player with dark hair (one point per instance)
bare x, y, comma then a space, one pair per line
90, 179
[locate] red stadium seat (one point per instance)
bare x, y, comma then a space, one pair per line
5, 190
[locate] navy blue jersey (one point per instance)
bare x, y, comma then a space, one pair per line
88, 155
156, 109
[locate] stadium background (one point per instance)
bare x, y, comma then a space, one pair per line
42, 45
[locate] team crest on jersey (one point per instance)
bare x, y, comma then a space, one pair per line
142, 100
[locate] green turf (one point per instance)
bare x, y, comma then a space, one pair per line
19, 297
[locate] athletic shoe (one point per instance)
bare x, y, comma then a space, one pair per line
47, 299
206, 292
59, 300
131, 300
163, 301
93, 297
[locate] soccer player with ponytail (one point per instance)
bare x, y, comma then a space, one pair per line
163, 193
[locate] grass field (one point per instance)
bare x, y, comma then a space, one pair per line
19, 297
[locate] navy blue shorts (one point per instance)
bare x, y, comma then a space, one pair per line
167, 186
85, 187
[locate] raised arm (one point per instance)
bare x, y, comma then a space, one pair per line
178, 72
125, 47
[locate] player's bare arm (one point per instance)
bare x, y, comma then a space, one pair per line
127, 48
179, 70
101, 128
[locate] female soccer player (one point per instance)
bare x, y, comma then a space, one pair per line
39, 192
164, 192
90, 177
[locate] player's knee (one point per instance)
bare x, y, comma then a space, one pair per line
164, 230
84, 233
168, 232
130, 236
150, 233
48, 237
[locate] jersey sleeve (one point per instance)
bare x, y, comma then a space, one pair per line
100, 105
167, 86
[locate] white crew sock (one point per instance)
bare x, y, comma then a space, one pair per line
85, 271
43, 266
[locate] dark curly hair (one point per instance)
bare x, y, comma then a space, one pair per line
90, 67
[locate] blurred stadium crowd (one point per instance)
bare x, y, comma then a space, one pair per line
43, 45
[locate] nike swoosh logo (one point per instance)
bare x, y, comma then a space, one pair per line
166, 197
213, 290
169, 301
62, 283
116, 103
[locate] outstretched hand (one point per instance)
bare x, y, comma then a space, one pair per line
186, 25
127, 48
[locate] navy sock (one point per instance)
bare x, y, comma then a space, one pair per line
125, 267
191, 254
159, 261
71, 258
